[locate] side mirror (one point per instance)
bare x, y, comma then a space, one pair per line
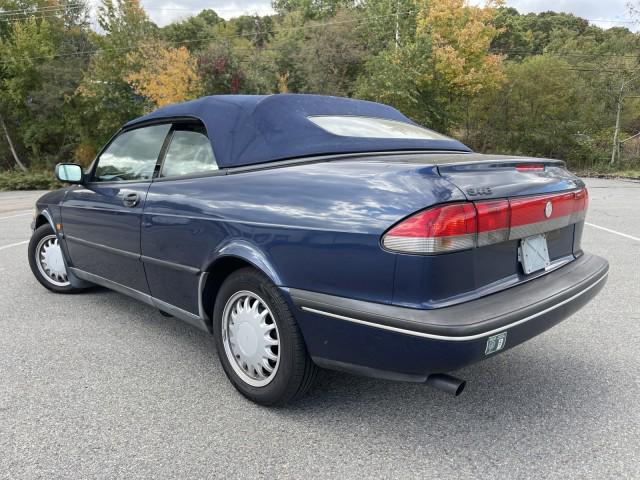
69, 173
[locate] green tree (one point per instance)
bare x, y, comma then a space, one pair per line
106, 99
539, 111
337, 57
194, 31
435, 77
41, 65
311, 9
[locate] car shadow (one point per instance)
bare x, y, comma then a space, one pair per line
525, 383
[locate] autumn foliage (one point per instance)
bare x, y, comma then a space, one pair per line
166, 76
548, 84
461, 37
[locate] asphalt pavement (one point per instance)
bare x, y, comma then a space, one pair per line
97, 385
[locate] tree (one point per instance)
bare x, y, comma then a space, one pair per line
435, 76
525, 35
330, 57
192, 32
27, 46
311, 9
168, 75
611, 62
538, 111
105, 97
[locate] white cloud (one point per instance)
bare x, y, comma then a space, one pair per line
604, 13
166, 11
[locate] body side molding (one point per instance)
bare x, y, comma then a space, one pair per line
183, 315
143, 258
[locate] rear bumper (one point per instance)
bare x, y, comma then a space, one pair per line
409, 344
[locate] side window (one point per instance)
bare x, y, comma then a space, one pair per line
132, 155
189, 152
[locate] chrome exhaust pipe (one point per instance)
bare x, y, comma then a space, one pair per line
446, 383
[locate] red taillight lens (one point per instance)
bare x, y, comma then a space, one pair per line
582, 200
493, 221
441, 229
530, 167
525, 211
460, 226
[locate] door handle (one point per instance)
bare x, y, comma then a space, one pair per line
130, 199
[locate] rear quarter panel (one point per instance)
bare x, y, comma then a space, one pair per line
316, 226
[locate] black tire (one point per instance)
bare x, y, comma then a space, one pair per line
296, 371
40, 233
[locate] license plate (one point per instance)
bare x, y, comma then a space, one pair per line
533, 253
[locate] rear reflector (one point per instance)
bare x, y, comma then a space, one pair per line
461, 226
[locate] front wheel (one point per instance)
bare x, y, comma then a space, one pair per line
258, 341
47, 262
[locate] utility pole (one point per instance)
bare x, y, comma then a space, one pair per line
397, 24
616, 134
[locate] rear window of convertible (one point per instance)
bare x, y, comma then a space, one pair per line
371, 127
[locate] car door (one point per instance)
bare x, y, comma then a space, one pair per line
102, 218
178, 232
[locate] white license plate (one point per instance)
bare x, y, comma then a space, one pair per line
533, 253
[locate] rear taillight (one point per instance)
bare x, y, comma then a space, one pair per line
442, 229
461, 226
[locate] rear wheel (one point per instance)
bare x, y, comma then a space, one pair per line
258, 341
47, 262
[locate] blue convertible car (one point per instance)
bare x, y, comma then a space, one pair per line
307, 231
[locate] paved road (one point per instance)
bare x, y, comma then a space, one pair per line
99, 386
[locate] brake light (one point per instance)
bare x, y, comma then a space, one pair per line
461, 226
441, 229
530, 167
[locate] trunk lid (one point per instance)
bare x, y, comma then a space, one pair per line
526, 186
482, 177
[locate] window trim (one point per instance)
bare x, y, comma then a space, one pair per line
177, 126
94, 165
173, 121
90, 172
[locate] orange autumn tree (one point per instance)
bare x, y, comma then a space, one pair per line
443, 66
166, 75
460, 36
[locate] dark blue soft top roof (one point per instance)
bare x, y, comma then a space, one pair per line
250, 129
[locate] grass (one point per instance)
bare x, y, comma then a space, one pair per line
608, 172
30, 180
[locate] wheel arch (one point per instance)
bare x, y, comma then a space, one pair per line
41, 219
229, 259
45, 217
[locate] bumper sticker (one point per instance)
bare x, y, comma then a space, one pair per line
496, 343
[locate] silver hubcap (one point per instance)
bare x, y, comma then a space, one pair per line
50, 262
250, 338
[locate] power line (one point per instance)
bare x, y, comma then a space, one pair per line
560, 54
314, 26
204, 39
610, 20
32, 11
50, 14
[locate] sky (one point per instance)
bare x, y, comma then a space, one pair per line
604, 13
